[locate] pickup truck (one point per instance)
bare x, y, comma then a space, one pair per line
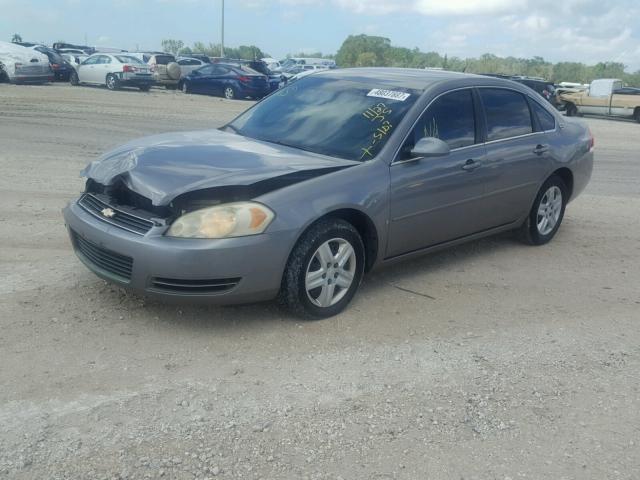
607, 96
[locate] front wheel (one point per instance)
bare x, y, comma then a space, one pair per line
572, 110
229, 93
112, 82
185, 87
145, 88
74, 80
324, 270
547, 212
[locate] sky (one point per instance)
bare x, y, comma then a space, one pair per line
587, 31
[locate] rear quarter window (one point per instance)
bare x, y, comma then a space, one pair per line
507, 113
545, 119
164, 59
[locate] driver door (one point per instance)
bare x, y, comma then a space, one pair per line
436, 200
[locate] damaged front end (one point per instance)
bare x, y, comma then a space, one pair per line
121, 206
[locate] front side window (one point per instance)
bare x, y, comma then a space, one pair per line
337, 117
449, 118
507, 113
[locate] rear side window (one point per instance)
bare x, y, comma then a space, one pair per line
449, 118
507, 113
545, 119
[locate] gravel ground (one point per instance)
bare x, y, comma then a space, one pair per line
506, 361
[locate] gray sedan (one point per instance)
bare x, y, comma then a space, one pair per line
327, 178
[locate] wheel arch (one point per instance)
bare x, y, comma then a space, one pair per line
567, 177
362, 223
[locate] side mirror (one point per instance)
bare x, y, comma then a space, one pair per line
428, 147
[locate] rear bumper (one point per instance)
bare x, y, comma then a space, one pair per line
30, 78
136, 81
164, 80
250, 267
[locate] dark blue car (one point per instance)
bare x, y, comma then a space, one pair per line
228, 81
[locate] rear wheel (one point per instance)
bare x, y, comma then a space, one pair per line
572, 110
636, 115
324, 270
229, 93
112, 82
546, 213
185, 87
145, 88
74, 80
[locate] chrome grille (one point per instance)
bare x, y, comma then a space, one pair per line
120, 218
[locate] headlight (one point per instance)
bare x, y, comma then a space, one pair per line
223, 221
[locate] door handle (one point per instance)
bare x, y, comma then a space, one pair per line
540, 149
470, 165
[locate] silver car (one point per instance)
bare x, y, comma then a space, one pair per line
113, 71
332, 176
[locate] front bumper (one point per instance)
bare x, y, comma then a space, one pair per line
254, 263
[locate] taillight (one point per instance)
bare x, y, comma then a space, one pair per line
55, 66
592, 141
128, 68
244, 79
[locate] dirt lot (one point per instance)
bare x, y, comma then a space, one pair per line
508, 361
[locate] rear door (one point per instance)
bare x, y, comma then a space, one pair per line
518, 154
435, 200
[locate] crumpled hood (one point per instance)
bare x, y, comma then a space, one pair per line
161, 167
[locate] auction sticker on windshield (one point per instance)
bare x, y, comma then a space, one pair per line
388, 94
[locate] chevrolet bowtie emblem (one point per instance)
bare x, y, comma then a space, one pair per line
107, 212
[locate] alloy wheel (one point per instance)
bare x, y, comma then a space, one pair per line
330, 272
229, 93
549, 210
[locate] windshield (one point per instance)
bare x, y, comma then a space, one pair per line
339, 118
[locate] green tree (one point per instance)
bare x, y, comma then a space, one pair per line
355, 45
16, 38
172, 46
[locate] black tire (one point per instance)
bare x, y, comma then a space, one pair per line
145, 88
571, 110
112, 82
530, 232
293, 293
73, 79
636, 115
230, 93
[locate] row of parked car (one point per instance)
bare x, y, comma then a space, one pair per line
196, 73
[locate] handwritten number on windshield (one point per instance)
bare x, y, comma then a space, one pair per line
376, 114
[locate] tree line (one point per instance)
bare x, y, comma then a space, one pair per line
373, 51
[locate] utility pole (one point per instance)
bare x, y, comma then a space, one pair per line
222, 30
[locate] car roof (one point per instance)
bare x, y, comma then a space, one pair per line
418, 79
414, 78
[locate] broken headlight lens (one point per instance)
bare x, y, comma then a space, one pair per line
223, 221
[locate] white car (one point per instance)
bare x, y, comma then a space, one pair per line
24, 65
113, 71
188, 64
